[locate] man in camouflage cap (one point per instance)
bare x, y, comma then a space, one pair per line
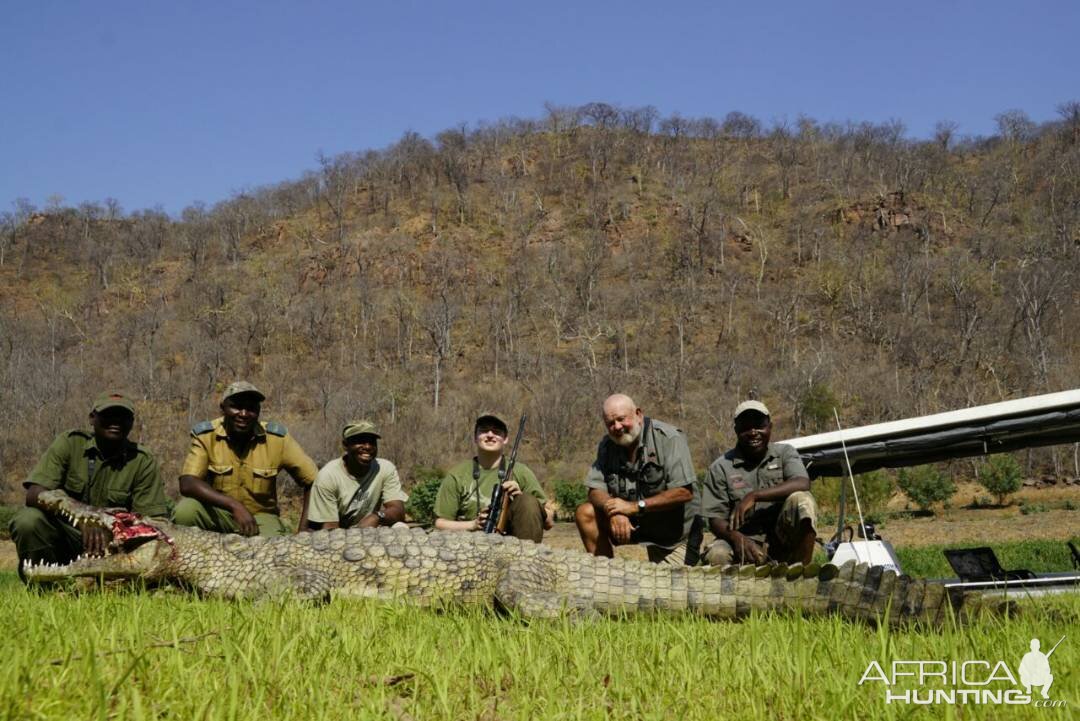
642, 488
464, 494
100, 467
229, 478
757, 499
358, 488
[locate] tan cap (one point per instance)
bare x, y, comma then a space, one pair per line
359, 428
238, 387
493, 418
751, 406
112, 400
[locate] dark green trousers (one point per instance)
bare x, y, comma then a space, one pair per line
189, 512
40, 536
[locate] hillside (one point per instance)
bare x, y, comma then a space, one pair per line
543, 264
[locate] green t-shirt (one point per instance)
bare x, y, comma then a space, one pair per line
129, 480
461, 497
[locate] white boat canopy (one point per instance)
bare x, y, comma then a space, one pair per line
1044, 420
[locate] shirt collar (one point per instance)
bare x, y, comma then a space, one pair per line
220, 432
91, 448
738, 460
645, 452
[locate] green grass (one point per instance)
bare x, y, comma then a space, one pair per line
144, 655
1037, 556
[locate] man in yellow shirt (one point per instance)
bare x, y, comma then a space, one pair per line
229, 478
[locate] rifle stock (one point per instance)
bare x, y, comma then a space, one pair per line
498, 515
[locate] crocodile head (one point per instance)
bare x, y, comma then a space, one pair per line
139, 546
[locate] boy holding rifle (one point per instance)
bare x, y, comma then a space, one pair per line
466, 491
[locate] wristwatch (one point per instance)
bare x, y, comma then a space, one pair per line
382, 516
641, 505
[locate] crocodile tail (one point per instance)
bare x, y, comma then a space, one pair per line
856, 591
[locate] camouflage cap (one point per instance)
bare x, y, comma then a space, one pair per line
491, 418
751, 406
359, 428
238, 387
112, 400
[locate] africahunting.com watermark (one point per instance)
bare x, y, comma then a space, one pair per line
968, 682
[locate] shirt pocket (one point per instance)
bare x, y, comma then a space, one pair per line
74, 484
769, 477
118, 495
222, 478
263, 481
652, 479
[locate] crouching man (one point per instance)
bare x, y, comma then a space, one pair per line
464, 494
357, 489
229, 478
757, 498
642, 488
100, 467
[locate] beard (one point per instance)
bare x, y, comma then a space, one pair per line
628, 437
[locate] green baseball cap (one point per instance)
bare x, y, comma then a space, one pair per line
493, 419
112, 400
238, 387
359, 428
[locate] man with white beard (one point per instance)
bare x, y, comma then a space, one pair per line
642, 488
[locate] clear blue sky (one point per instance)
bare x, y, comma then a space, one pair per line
154, 102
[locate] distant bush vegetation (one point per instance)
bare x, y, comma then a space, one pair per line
544, 263
425, 487
569, 495
1001, 476
926, 485
875, 490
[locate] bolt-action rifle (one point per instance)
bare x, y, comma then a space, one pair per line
498, 509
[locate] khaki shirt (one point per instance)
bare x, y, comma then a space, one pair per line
662, 462
461, 497
247, 474
730, 478
129, 480
334, 496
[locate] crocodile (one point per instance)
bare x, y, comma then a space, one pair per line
446, 568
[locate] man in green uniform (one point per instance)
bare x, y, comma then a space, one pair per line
99, 467
464, 494
358, 488
757, 497
229, 478
642, 488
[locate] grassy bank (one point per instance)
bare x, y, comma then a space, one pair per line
1037, 556
170, 655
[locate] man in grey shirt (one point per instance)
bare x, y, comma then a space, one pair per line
642, 488
756, 497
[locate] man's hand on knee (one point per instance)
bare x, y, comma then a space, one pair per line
244, 520
621, 528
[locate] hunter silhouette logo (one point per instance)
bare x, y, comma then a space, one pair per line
1035, 668
974, 681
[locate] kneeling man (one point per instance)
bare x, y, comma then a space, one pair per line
229, 478
757, 497
357, 489
642, 488
465, 492
99, 467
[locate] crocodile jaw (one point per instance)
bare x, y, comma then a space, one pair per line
138, 562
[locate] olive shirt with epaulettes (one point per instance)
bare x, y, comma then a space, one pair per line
130, 479
248, 474
662, 462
